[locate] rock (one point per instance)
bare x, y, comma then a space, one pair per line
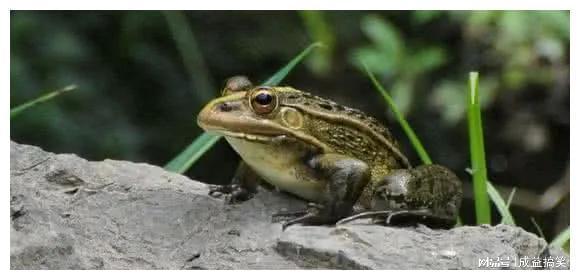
69, 213
366, 246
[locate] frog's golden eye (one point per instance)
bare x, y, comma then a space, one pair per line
263, 101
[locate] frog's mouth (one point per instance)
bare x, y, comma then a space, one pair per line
246, 136
252, 137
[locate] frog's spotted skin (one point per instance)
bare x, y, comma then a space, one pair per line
312, 147
431, 193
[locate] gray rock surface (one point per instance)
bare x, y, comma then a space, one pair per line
69, 213
366, 246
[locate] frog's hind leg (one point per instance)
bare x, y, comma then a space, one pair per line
346, 179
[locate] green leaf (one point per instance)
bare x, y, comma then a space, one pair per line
184, 160
449, 99
476, 144
401, 119
426, 59
561, 239
385, 36
46, 97
374, 60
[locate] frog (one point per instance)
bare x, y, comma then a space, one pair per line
344, 162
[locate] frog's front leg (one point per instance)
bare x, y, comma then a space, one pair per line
243, 186
346, 178
427, 194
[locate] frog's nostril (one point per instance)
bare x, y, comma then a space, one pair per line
225, 107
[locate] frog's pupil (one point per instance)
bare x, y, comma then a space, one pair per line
263, 99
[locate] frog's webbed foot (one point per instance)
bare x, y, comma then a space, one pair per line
314, 215
290, 215
232, 193
243, 186
311, 219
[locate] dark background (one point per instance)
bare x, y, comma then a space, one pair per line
142, 77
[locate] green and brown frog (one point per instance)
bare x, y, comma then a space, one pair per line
341, 160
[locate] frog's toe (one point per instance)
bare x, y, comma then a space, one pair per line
288, 214
310, 219
238, 194
313, 205
284, 215
219, 190
301, 219
232, 193
377, 216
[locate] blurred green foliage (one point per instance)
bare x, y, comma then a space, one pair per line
395, 59
320, 31
513, 50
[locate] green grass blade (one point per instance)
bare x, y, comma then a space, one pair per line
192, 153
184, 160
540, 232
510, 198
46, 97
501, 205
561, 239
401, 119
505, 219
476, 144
538, 228
283, 72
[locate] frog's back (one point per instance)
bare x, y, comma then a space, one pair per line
348, 131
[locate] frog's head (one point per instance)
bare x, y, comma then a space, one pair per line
254, 113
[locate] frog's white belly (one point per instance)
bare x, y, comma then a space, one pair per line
284, 170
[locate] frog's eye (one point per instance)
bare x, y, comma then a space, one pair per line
263, 101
